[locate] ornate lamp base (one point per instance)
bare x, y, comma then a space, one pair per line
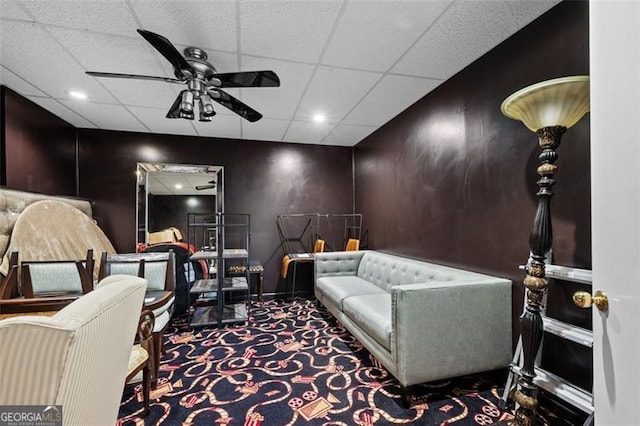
540, 240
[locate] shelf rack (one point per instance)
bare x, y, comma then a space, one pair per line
551, 383
223, 299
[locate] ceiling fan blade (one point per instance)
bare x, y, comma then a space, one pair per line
168, 50
201, 187
235, 105
248, 79
134, 76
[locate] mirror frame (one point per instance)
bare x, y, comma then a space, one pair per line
142, 190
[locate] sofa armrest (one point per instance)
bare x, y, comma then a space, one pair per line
451, 328
337, 263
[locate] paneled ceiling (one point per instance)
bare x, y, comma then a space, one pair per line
357, 62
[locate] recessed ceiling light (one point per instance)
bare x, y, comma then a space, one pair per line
319, 118
76, 94
178, 186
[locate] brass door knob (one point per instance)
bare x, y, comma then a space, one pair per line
582, 299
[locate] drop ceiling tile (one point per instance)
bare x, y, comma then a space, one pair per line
308, 132
389, 98
264, 129
56, 70
220, 126
334, 92
130, 54
373, 35
11, 9
293, 30
155, 119
106, 116
154, 186
143, 93
444, 49
60, 110
277, 102
205, 24
113, 17
347, 135
170, 180
17, 84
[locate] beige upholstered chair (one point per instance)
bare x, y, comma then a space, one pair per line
159, 271
78, 358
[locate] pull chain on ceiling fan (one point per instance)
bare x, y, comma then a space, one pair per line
204, 83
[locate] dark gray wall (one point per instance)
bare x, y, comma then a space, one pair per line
38, 149
452, 180
171, 210
264, 179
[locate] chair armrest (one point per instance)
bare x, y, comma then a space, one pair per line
144, 333
9, 284
450, 328
37, 304
337, 263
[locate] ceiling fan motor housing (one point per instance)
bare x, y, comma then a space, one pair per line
197, 58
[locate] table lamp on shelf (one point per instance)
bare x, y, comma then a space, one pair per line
548, 109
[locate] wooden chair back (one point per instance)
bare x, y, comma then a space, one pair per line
57, 277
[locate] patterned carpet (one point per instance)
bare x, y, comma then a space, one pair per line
293, 364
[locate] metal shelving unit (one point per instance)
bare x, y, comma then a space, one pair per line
235, 240
223, 299
551, 383
203, 234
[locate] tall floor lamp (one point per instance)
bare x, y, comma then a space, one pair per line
548, 109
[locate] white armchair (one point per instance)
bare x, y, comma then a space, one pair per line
77, 358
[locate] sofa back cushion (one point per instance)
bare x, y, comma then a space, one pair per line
386, 271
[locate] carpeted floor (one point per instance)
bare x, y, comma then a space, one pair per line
293, 364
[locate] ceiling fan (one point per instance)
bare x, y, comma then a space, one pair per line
211, 185
204, 83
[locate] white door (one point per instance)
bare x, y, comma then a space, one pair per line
615, 181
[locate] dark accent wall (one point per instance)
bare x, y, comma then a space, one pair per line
171, 210
264, 179
38, 148
452, 180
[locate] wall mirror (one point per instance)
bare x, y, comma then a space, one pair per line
166, 193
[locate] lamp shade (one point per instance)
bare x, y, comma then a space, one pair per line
557, 102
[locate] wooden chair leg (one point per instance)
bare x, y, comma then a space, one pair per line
146, 384
157, 348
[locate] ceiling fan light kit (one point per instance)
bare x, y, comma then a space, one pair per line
204, 83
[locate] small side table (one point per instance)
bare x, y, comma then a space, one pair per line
239, 270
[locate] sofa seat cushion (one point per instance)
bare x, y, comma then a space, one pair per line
336, 289
372, 313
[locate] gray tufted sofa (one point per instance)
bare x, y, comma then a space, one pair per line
422, 321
